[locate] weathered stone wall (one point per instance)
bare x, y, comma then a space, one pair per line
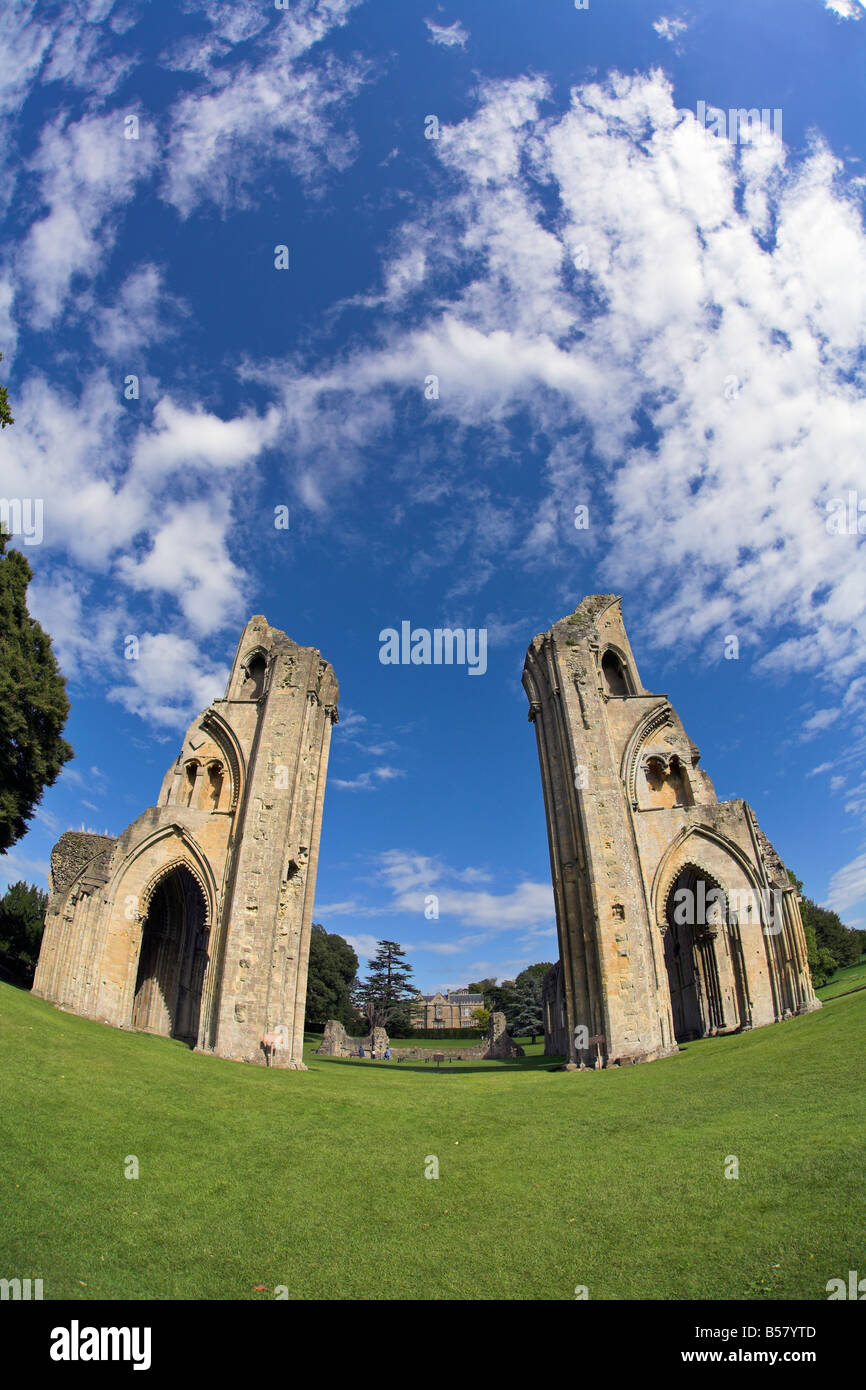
239, 812
336, 1042
629, 810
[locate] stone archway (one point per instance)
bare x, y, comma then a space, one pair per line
695, 915
172, 958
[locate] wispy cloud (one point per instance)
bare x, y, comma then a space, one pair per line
447, 35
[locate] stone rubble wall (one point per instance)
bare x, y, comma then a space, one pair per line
336, 1042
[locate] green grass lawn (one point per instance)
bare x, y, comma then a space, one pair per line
844, 981
548, 1180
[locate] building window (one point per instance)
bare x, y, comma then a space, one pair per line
614, 674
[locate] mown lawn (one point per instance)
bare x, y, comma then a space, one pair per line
548, 1180
844, 981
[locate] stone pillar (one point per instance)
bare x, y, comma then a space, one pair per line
610, 972
269, 914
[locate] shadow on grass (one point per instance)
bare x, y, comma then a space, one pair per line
456, 1068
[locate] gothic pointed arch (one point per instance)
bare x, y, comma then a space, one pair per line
658, 717
226, 740
251, 678
692, 846
189, 853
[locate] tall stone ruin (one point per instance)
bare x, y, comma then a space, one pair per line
675, 916
196, 921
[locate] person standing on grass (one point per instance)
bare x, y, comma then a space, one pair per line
360, 1049
387, 1054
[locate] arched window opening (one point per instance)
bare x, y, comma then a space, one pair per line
254, 681
215, 785
680, 783
614, 675
191, 775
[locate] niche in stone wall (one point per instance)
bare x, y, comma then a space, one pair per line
666, 782
254, 679
191, 771
614, 675
215, 779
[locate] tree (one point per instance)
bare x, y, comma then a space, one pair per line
386, 987
481, 1019
22, 920
527, 1019
332, 971
33, 703
400, 1021
829, 943
5, 412
821, 963
486, 987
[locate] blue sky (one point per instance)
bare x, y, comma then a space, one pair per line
622, 309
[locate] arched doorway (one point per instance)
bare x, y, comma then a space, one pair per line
696, 916
172, 959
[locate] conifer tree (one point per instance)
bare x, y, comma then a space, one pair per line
33, 703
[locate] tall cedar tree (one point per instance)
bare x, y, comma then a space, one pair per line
33, 703
526, 1019
387, 984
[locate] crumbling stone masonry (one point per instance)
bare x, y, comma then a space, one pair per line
675, 916
196, 921
336, 1042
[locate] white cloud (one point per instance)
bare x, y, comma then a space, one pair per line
143, 312
36, 45
847, 886
282, 107
171, 680
846, 9
189, 559
670, 28
369, 781
447, 35
88, 170
152, 514
718, 291
364, 946
412, 877
199, 440
821, 719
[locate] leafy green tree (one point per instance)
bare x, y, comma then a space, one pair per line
332, 971
33, 703
829, 943
22, 920
822, 966
487, 988
481, 1019
502, 999
400, 1022
5, 412
386, 987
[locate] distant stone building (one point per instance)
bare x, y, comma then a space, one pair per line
196, 921
675, 916
451, 1010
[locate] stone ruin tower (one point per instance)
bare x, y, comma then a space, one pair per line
195, 922
675, 916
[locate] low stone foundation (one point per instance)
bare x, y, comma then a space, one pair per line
336, 1042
